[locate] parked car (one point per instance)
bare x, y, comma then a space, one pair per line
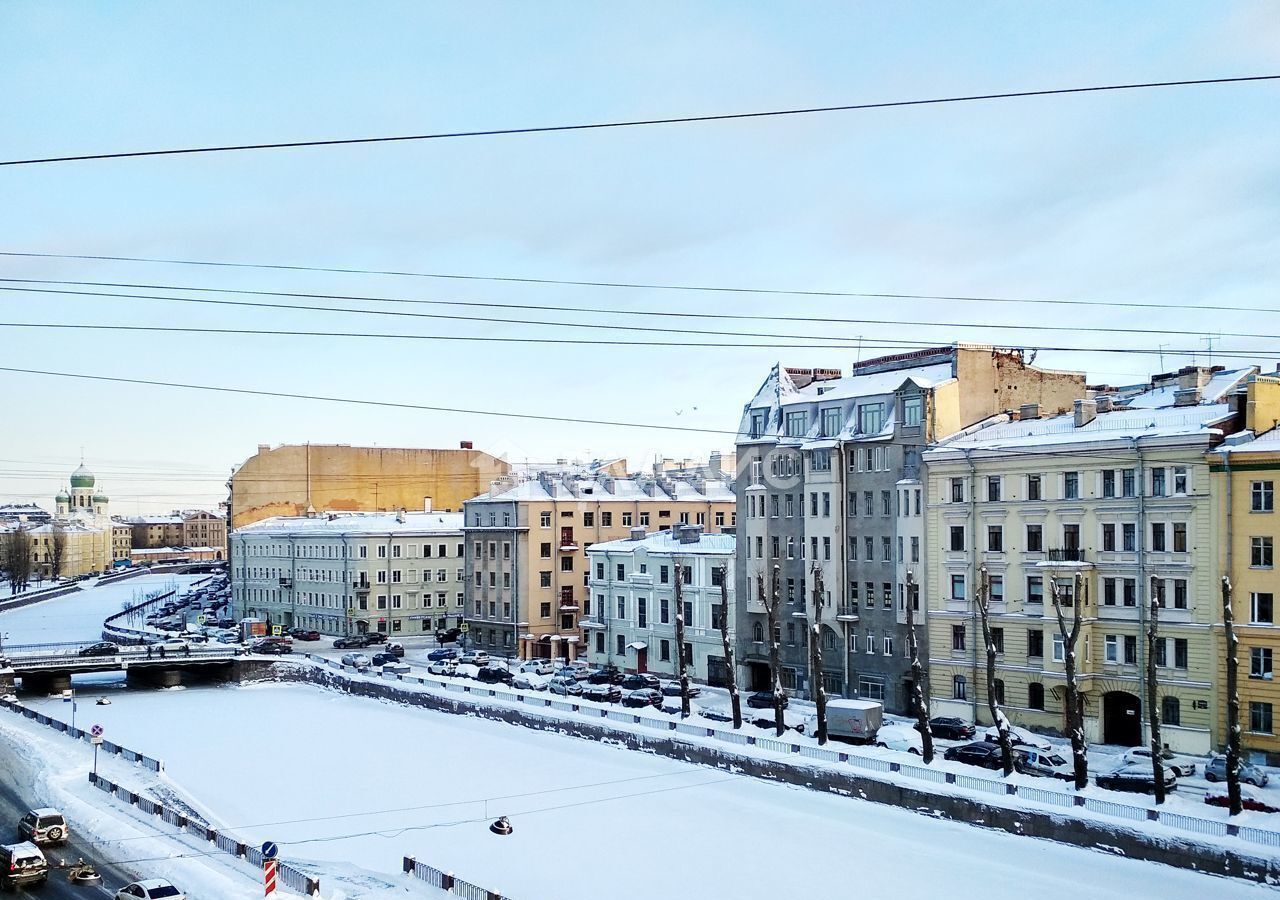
604, 693
854, 721
641, 681
672, 689
44, 826
715, 715
1042, 764
442, 654
1216, 770
494, 675
1250, 803
376, 637
395, 648
351, 641
529, 681
643, 697
447, 666
103, 648
1136, 777
900, 737
565, 685
569, 672
1181, 767
381, 659
764, 700
951, 728
356, 660
151, 889
277, 648
22, 864
304, 635
983, 754
474, 658
538, 667
1018, 737
605, 675
448, 635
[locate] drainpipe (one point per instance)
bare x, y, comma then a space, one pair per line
971, 583
1230, 517
1142, 570
841, 555
515, 584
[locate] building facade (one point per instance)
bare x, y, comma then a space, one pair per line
78, 539
829, 487
633, 607
184, 528
1114, 497
1245, 472
526, 543
400, 573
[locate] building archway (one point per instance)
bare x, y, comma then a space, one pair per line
1121, 719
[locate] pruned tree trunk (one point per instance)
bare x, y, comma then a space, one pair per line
772, 604
1234, 801
734, 700
1074, 701
919, 695
682, 666
1153, 708
815, 656
998, 718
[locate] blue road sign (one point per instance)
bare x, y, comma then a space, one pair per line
270, 850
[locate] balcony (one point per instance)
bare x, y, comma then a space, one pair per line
567, 543
590, 623
847, 612
1066, 554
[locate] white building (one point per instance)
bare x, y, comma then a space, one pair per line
342, 573
632, 584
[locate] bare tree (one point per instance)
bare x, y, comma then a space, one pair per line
815, 655
1233, 700
1153, 710
919, 697
57, 550
17, 559
734, 700
682, 667
983, 599
772, 604
1074, 700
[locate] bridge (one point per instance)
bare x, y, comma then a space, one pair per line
48, 669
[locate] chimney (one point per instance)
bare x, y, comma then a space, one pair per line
1085, 412
1186, 397
400, 515
715, 463
689, 534
1104, 402
637, 533
426, 503
1029, 411
465, 445
263, 448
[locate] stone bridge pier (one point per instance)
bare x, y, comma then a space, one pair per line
49, 683
153, 676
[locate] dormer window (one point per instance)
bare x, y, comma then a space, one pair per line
912, 411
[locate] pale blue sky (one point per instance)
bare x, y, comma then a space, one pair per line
1166, 196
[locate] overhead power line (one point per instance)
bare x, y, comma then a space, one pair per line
631, 285
635, 123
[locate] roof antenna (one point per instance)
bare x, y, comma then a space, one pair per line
1160, 349
859, 357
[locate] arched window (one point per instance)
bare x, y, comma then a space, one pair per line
958, 688
1171, 711
999, 682
791, 632
829, 640
757, 633
1035, 695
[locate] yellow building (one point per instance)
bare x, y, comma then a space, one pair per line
1118, 493
1246, 470
526, 543
291, 479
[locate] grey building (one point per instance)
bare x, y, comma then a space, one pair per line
830, 487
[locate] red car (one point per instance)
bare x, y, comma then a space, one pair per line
1246, 802
307, 635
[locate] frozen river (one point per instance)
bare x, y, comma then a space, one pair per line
78, 617
342, 779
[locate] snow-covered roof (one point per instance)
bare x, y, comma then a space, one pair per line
605, 490
870, 385
349, 523
1247, 442
666, 542
1219, 385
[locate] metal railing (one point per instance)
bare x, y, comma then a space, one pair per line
155, 765
446, 881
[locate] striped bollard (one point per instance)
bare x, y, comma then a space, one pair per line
269, 852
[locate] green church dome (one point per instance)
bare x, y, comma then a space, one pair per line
82, 478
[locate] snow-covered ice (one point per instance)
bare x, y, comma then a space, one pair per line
78, 616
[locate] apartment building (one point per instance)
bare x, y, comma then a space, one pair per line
180, 528
633, 601
1245, 473
400, 573
526, 542
829, 485
1117, 493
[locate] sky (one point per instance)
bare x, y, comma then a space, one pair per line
1167, 196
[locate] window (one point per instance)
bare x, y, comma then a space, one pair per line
544, 551
1157, 537
915, 549
757, 424
1035, 695
1035, 538
1260, 552
1129, 537
957, 587
796, 423
1130, 591
886, 503
545, 520
886, 549
642, 612
1033, 488
1262, 497
995, 538
1260, 609
1071, 485
957, 637
1059, 647
622, 645
957, 538
626, 516
853, 503
382, 551
1171, 711
1108, 483
997, 639
1158, 483
1260, 662
826, 548
820, 461
995, 585
757, 633
868, 507
1179, 537
1111, 648
1179, 593
644, 518
957, 490
912, 411
1127, 482
544, 579
888, 644
1109, 537
826, 504
1035, 589
870, 417
999, 689
1108, 592
869, 544
1130, 650
1260, 718
1179, 479
791, 507
1035, 643
958, 688
589, 519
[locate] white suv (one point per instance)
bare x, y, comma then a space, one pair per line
44, 826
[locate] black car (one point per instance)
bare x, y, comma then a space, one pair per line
375, 637
381, 659
492, 675
715, 715
642, 697
950, 728
1135, 777
352, 641
978, 753
604, 693
764, 700
279, 648
105, 648
672, 689
606, 675
449, 635
641, 681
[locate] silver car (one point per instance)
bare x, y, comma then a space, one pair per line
1216, 770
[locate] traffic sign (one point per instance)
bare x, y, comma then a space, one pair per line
277, 630
465, 627
200, 620
96, 731
270, 850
